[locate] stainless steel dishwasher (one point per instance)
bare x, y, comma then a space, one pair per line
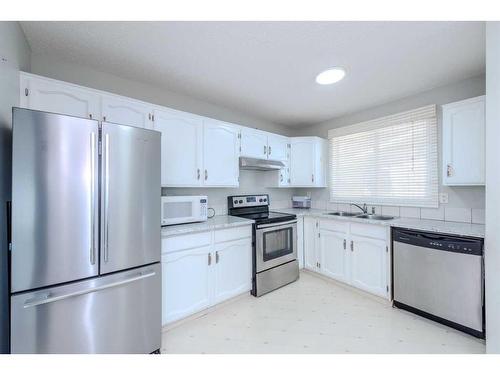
440, 277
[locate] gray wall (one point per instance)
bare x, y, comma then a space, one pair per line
492, 244
462, 200
249, 183
14, 52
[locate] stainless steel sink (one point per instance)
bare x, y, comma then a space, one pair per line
342, 213
375, 217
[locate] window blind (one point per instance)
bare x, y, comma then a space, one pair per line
390, 160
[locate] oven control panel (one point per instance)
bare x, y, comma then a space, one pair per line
248, 200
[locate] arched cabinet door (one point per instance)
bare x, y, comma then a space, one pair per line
126, 111
220, 154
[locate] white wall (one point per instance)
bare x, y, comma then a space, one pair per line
15, 50
465, 203
492, 242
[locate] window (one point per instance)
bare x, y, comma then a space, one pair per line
391, 160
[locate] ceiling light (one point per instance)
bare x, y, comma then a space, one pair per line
330, 76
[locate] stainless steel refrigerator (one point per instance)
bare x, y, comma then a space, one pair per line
85, 271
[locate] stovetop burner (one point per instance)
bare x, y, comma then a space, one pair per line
256, 207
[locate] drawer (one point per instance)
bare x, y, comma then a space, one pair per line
230, 234
334, 225
369, 230
185, 241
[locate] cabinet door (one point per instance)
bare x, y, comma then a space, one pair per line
302, 157
233, 270
220, 154
58, 97
464, 142
334, 256
368, 265
277, 147
126, 111
311, 259
181, 148
300, 241
187, 283
253, 143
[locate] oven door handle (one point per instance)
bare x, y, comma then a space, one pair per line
276, 224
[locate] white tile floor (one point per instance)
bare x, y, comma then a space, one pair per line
314, 315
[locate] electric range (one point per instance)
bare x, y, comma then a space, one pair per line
274, 242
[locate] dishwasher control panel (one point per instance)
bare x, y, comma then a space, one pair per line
456, 244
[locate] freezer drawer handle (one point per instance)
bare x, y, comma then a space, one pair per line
47, 298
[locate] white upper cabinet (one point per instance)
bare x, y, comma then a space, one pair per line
220, 154
253, 143
277, 147
181, 147
464, 142
126, 111
308, 162
52, 96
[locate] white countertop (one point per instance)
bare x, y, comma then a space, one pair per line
217, 222
438, 226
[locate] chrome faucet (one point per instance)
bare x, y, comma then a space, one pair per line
364, 208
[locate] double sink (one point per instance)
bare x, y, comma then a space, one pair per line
361, 216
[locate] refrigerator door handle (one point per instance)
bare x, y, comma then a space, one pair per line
48, 298
92, 198
106, 198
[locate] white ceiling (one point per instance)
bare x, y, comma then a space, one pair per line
268, 69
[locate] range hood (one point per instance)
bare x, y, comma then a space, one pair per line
260, 164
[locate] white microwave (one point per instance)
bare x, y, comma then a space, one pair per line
183, 209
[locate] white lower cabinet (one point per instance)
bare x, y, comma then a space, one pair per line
195, 278
233, 271
334, 256
186, 280
353, 253
300, 241
368, 259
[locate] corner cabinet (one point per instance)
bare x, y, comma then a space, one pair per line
463, 142
308, 162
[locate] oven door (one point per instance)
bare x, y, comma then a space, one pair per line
276, 244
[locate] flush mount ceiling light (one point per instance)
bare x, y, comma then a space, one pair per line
330, 76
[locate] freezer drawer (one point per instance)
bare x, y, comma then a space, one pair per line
119, 313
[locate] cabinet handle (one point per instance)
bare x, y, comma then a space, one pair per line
149, 116
269, 150
344, 244
312, 177
216, 257
209, 259
103, 118
281, 177
90, 116
352, 245
198, 170
206, 174
265, 150
449, 170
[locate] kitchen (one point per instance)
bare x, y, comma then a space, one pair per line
292, 227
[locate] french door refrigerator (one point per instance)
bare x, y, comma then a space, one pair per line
85, 251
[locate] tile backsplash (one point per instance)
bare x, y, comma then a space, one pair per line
458, 214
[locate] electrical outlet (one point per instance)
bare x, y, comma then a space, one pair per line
443, 198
